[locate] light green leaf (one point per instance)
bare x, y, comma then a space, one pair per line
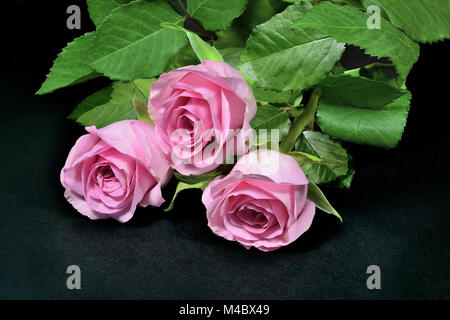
70, 67
322, 159
141, 109
132, 44
100, 9
423, 21
143, 85
348, 24
140, 99
316, 195
269, 117
119, 107
184, 186
358, 91
282, 58
214, 14
202, 49
376, 127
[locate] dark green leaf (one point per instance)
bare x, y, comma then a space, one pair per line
99, 98
376, 127
268, 117
70, 67
206, 177
259, 11
272, 96
358, 91
282, 58
322, 159
214, 14
185, 57
234, 36
100, 9
131, 43
316, 195
119, 107
348, 24
424, 21
184, 186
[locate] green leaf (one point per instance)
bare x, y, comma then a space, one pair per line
232, 55
316, 195
184, 186
100, 9
348, 24
272, 96
282, 58
346, 181
354, 3
358, 91
307, 162
322, 159
185, 57
70, 67
423, 21
132, 44
99, 98
269, 117
119, 107
214, 14
376, 127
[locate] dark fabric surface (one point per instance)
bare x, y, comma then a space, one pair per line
396, 214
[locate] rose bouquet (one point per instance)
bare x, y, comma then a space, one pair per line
247, 100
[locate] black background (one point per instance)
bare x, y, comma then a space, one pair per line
396, 214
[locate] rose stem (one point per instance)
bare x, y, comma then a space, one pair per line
306, 117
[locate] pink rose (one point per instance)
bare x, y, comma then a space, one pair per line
261, 203
200, 109
112, 170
